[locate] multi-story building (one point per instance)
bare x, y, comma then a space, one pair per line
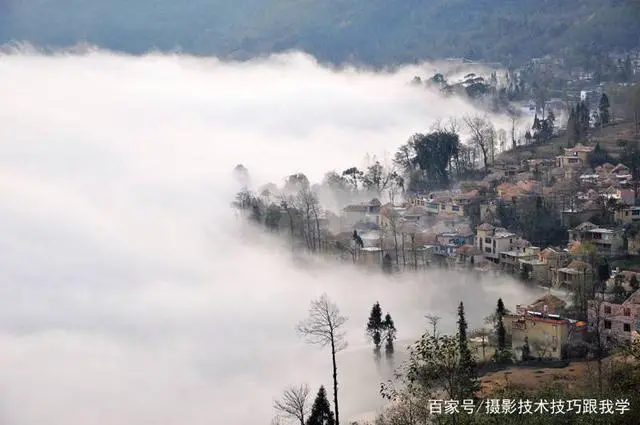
618, 322
574, 157
606, 241
575, 275
441, 205
545, 333
494, 240
353, 214
469, 255
628, 214
511, 261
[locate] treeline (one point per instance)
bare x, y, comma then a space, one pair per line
444, 367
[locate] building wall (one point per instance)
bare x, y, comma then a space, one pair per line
628, 215
539, 272
492, 246
546, 337
614, 317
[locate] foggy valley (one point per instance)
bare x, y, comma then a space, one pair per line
131, 293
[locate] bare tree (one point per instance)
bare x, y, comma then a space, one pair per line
308, 204
483, 334
286, 204
323, 327
276, 421
293, 403
433, 320
393, 221
482, 135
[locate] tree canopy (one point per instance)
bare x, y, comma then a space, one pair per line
476, 29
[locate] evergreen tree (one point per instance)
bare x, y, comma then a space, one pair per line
583, 119
604, 109
501, 333
375, 326
321, 413
526, 350
390, 334
468, 383
634, 283
387, 263
536, 123
500, 310
573, 132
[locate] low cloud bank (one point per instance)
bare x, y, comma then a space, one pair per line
130, 293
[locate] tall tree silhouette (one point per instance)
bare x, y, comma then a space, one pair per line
321, 413
375, 327
324, 327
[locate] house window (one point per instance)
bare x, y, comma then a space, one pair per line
487, 240
554, 339
487, 249
455, 208
510, 241
627, 327
494, 243
443, 207
607, 309
607, 324
627, 312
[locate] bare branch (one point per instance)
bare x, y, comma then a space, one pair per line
323, 325
433, 320
294, 402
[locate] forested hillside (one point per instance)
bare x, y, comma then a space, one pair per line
379, 32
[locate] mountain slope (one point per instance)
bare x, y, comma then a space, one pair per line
371, 31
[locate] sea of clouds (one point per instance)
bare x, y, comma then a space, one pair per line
129, 291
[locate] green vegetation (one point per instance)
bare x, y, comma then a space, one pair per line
373, 32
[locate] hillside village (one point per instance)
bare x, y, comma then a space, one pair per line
583, 240
556, 207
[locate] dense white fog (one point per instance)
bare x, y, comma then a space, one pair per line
129, 292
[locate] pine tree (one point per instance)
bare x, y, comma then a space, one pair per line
583, 119
526, 350
390, 334
375, 326
467, 380
500, 310
536, 123
573, 133
321, 413
604, 109
387, 264
501, 333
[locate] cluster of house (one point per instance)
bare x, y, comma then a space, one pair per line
435, 229
546, 332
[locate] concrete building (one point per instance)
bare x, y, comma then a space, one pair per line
546, 333
511, 260
469, 256
353, 214
494, 240
606, 241
574, 157
628, 214
438, 205
575, 275
618, 322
